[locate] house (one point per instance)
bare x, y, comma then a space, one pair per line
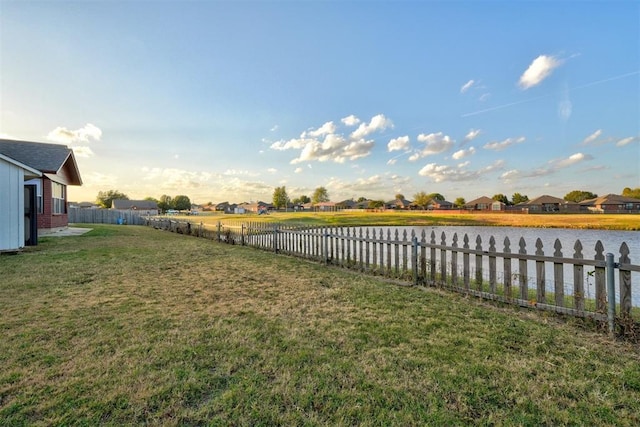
546, 203
57, 169
612, 203
143, 207
435, 204
483, 203
17, 204
398, 204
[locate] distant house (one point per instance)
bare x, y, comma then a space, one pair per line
548, 203
483, 203
439, 205
143, 207
84, 205
57, 169
612, 203
398, 204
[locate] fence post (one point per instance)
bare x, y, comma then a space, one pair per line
219, 230
242, 234
414, 259
611, 292
325, 245
275, 238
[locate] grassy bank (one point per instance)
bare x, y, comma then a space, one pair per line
130, 325
417, 218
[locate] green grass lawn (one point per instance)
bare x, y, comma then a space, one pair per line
130, 325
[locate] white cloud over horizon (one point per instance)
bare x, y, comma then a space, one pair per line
465, 87
504, 144
592, 138
85, 134
400, 143
435, 143
442, 173
538, 70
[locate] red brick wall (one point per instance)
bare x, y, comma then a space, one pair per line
47, 220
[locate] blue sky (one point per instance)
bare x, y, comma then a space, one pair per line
225, 100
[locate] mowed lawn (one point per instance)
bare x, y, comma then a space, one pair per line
129, 325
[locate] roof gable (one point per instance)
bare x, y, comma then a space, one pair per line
46, 158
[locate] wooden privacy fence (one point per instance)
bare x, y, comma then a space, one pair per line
105, 216
560, 280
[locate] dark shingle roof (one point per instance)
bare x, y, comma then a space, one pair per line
40, 156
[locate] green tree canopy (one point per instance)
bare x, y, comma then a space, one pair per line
578, 196
151, 199
631, 192
280, 197
181, 203
436, 196
399, 196
302, 199
105, 198
375, 204
421, 199
459, 202
519, 198
165, 203
501, 198
320, 195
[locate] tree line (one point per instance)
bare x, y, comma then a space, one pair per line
281, 198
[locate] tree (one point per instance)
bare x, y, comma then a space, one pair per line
460, 202
436, 196
375, 204
399, 196
151, 199
301, 200
578, 196
106, 198
421, 199
634, 193
165, 203
320, 195
361, 199
280, 198
181, 203
501, 198
519, 198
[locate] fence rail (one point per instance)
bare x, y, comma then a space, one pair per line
105, 216
556, 281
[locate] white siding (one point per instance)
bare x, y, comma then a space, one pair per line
11, 206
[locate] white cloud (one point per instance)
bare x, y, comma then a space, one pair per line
392, 161
298, 170
442, 173
626, 141
501, 145
325, 129
274, 128
176, 179
83, 135
82, 151
538, 70
97, 179
484, 97
461, 154
435, 143
471, 135
325, 144
570, 161
400, 143
239, 172
272, 170
350, 120
510, 175
465, 87
377, 123
592, 138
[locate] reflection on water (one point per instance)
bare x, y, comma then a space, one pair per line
610, 239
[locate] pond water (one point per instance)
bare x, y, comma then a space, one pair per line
611, 240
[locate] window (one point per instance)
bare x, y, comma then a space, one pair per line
57, 195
